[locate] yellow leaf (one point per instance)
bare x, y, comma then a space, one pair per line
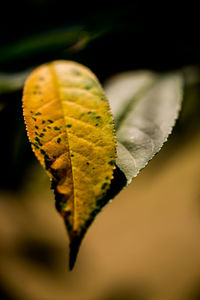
71, 130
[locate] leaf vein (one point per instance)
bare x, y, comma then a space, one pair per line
85, 140
46, 105
79, 89
78, 105
83, 122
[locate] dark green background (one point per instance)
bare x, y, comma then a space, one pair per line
133, 34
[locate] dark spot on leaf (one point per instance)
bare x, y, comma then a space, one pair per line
104, 185
87, 163
42, 151
38, 114
36, 127
89, 112
36, 133
35, 145
69, 125
41, 134
54, 156
107, 178
72, 155
31, 112
50, 121
34, 119
97, 124
49, 127
75, 72
44, 130
112, 162
43, 121
98, 117
56, 128
38, 140
60, 202
47, 161
87, 87
58, 140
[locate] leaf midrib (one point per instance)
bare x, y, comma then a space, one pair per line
133, 102
55, 84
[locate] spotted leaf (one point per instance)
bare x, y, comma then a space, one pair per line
71, 130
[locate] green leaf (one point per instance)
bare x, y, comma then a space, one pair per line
145, 106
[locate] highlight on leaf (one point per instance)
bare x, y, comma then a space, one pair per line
71, 131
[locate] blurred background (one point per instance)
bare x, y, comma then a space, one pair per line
144, 245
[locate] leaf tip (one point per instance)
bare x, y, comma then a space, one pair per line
75, 241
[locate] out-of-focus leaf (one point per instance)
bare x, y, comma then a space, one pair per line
146, 106
71, 130
47, 42
12, 82
124, 88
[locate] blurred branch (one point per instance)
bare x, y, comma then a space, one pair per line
47, 42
